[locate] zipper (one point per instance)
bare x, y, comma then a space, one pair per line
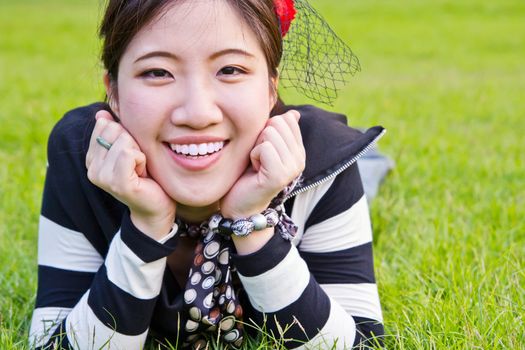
338, 171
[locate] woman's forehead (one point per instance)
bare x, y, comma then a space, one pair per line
205, 26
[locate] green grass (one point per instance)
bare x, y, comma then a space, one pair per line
447, 80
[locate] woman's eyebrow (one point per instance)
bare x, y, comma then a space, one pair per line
231, 51
157, 54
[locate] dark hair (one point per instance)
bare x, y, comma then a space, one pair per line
123, 19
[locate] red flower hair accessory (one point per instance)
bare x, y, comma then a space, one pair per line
286, 12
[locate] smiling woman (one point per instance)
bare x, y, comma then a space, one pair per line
178, 93
196, 202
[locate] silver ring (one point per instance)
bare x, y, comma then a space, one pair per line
101, 141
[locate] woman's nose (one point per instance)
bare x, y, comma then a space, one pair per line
198, 108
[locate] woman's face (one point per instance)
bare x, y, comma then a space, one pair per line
194, 92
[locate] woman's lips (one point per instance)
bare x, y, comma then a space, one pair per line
195, 162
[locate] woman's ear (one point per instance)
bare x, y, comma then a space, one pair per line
111, 92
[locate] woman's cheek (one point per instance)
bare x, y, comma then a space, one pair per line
140, 110
248, 115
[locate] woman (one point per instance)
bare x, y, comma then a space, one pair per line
162, 210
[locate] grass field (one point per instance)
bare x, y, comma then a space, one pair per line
446, 78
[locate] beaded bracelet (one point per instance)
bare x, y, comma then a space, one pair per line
270, 217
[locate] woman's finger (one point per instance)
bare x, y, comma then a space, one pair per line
269, 160
103, 119
98, 171
125, 176
286, 125
126, 147
293, 122
272, 171
291, 154
93, 146
291, 118
103, 114
109, 133
270, 134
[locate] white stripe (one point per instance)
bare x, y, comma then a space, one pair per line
303, 205
346, 230
360, 300
85, 331
65, 249
43, 324
128, 272
279, 287
338, 332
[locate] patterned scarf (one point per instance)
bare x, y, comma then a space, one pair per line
210, 302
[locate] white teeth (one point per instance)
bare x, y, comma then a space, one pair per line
203, 149
196, 150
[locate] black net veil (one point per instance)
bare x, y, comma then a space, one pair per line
316, 62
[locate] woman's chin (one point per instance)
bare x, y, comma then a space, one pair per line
196, 197
197, 202
202, 202
199, 191
191, 194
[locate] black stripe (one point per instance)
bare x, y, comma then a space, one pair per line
353, 265
265, 259
344, 192
369, 333
51, 206
312, 310
66, 204
145, 247
117, 309
61, 288
58, 340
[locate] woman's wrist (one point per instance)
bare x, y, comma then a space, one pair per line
253, 242
154, 227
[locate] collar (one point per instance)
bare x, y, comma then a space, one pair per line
331, 146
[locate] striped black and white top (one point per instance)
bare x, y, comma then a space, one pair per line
104, 284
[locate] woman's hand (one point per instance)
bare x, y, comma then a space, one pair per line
121, 171
276, 160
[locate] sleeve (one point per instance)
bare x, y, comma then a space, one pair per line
321, 294
83, 299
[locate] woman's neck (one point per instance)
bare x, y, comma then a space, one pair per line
196, 214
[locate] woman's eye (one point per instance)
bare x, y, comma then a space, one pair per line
230, 70
156, 73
